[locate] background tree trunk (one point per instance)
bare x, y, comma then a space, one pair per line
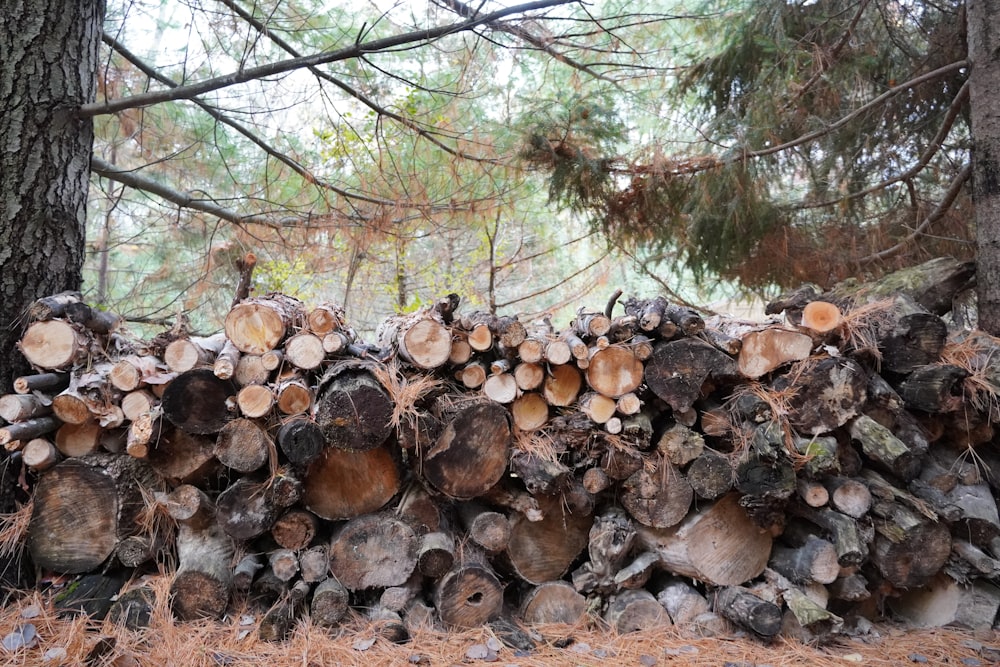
51, 54
984, 79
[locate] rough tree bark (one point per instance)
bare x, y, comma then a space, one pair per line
984, 80
49, 68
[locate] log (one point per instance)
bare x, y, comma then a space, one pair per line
138, 402
325, 318
184, 354
53, 305
248, 508
28, 429
488, 530
828, 392
83, 507
711, 474
341, 484
40, 454
500, 388
815, 561
648, 312
352, 409
884, 450
44, 382
609, 543
553, 602
812, 493
945, 602
562, 385
529, 411
197, 401
680, 445
278, 621
850, 540
635, 610
54, 344
301, 441
305, 351
329, 603
909, 548
471, 454
682, 601
314, 564
183, 458
21, 407
293, 396
472, 375
75, 440
747, 610
245, 572
255, 400
258, 324
688, 321
658, 494
373, 550
295, 529
849, 496
598, 407
678, 369
936, 388
243, 445
614, 371
916, 340
190, 506
768, 349
529, 376
284, 563
251, 369
544, 550
435, 554
227, 360
821, 316
717, 544
468, 595
419, 339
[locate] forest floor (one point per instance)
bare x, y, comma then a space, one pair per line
33, 634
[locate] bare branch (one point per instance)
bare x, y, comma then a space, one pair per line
356, 50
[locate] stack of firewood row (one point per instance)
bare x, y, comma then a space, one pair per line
643, 464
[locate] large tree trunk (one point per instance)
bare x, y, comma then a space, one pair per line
984, 80
50, 62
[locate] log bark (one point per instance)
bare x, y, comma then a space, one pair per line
249, 508
21, 407
749, 611
609, 543
635, 610
28, 429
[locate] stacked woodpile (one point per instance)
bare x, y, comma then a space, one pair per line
642, 464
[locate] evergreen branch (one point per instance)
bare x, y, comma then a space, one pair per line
134, 180
356, 50
942, 207
214, 112
954, 111
557, 285
351, 90
834, 52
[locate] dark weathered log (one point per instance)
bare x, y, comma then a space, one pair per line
284, 563
243, 445
489, 530
374, 550
469, 595
711, 474
717, 544
352, 409
295, 529
932, 284
257, 325
436, 554
634, 610
278, 621
850, 540
191, 506
909, 548
83, 507
658, 494
916, 340
883, 449
687, 319
45, 382
246, 570
678, 369
249, 508
204, 578
181, 457
749, 611
828, 392
314, 563
680, 444
197, 401
90, 595
471, 454
609, 543
329, 603
851, 587
936, 388
133, 608
681, 600
341, 484
812, 562
822, 455
301, 440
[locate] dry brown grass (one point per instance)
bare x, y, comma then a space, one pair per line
233, 641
